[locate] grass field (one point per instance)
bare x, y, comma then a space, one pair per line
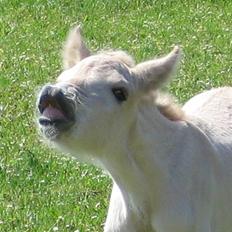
39, 189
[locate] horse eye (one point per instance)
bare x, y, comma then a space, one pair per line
120, 94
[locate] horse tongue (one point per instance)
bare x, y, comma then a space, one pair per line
53, 113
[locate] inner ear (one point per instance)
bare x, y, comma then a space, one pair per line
75, 48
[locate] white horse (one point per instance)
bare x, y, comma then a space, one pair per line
171, 167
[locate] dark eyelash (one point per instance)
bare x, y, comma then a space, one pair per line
120, 93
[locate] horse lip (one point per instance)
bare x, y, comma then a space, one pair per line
57, 125
49, 101
62, 106
45, 121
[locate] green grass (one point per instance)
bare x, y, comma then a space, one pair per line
40, 190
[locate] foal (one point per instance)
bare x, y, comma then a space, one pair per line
171, 167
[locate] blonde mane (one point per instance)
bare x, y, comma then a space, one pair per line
166, 104
169, 108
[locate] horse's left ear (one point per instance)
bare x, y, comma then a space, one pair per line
74, 48
153, 73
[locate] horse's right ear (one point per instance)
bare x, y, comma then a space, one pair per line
74, 48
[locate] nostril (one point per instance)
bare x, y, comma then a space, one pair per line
59, 94
42, 102
56, 92
46, 90
50, 90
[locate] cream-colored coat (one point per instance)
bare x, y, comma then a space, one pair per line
171, 168
186, 185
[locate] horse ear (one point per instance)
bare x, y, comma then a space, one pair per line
153, 73
74, 48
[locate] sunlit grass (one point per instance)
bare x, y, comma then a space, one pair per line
40, 191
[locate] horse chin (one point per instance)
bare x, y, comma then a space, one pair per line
55, 130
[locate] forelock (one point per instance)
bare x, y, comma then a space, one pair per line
119, 56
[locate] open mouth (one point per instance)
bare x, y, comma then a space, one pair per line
55, 111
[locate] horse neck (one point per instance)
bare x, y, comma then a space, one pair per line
142, 160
